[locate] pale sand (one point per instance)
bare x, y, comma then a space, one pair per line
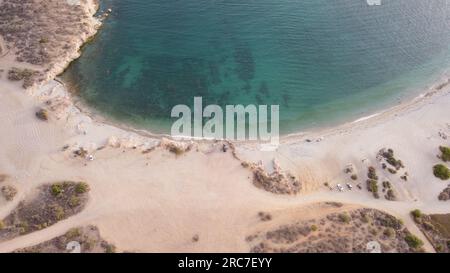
158, 202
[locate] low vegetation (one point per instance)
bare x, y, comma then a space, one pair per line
350, 169
389, 232
53, 203
195, 238
81, 152
390, 195
264, 217
372, 182
372, 174
413, 241
42, 33
276, 182
81, 187
388, 155
345, 218
441, 172
372, 186
445, 194
330, 234
88, 237
9, 192
177, 148
392, 171
416, 214
16, 74
436, 228
42, 114
442, 222
26, 75
388, 189
445, 153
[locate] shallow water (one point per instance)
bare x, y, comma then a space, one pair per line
322, 61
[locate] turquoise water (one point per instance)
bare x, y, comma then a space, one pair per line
322, 61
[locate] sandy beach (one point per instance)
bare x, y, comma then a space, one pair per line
146, 198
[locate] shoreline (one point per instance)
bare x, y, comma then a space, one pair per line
441, 85
145, 197
381, 115
439, 88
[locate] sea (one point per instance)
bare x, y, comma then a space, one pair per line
324, 62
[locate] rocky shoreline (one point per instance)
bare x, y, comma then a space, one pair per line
44, 37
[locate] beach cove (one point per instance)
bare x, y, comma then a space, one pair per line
152, 194
323, 63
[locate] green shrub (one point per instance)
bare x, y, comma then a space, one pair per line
110, 248
365, 218
392, 171
42, 114
428, 225
74, 202
2, 225
389, 232
441, 171
413, 241
73, 233
390, 221
314, 228
372, 186
372, 174
43, 40
390, 159
445, 156
354, 177
390, 195
82, 187
344, 217
89, 244
56, 189
23, 224
58, 212
23, 228
416, 213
